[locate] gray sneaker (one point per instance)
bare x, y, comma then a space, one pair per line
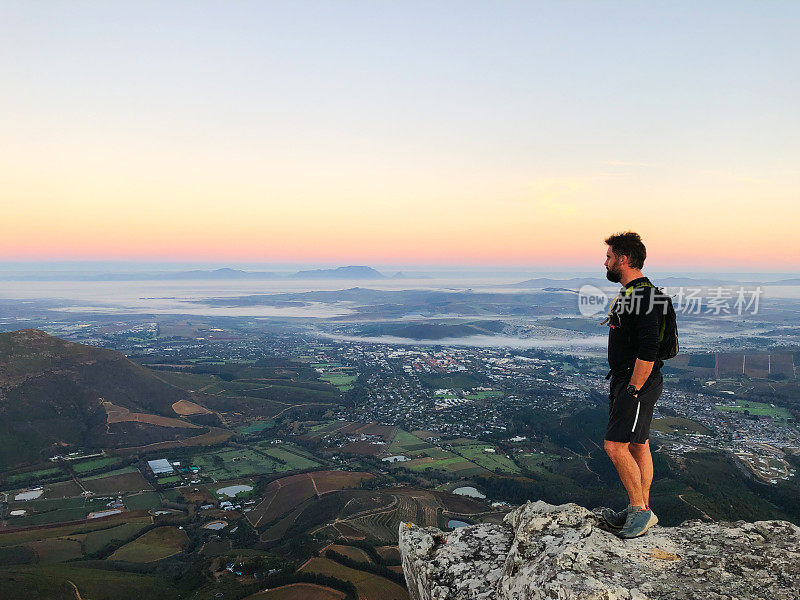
615, 519
637, 523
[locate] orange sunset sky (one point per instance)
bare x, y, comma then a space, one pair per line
407, 133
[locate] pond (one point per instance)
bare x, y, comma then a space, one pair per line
455, 523
29, 495
232, 490
103, 513
469, 491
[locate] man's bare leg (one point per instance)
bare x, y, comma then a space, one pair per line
628, 469
644, 459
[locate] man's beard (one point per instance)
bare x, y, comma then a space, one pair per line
613, 275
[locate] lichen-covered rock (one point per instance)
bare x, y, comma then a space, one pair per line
457, 564
561, 552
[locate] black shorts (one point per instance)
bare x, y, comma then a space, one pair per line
628, 417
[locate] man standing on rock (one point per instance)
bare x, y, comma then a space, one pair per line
634, 321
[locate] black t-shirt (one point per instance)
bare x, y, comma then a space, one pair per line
634, 327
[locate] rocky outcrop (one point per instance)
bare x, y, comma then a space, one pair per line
561, 552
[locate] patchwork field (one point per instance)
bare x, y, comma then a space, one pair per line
258, 459
299, 591
67, 582
536, 462
187, 408
215, 435
368, 585
85, 466
119, 414
757, 408
152, 546
54, 510
43, 475
283, 495
116, 484
476, 452
58, 544
351, 552
679, 424
426, 456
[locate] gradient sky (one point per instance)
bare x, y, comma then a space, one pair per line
496, 132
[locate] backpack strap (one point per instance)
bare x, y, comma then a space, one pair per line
626, 292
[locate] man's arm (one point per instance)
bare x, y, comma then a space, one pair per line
647, 332
641, 371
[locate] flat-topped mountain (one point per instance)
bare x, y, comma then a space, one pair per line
56, 395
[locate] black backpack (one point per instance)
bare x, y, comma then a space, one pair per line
668, 335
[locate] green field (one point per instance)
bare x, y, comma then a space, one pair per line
451, 464
169, 479
407, 444
341, 381
475, 452
96, 540
142, 501
53, 474
758, 409
256, 426
259, 459
57, 510
97, 463
482, 395
671, 424
152, 546
114, 473
536, 462
369, 586
427, 456
55, 582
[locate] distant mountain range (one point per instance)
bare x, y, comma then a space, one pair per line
350, 272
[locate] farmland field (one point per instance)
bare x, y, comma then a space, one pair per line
12, 538
117, 484
670, 424
256, 426
152, 546
96, 540
369, 586
450, 464
299, 591
389, 553
96, 463
142, 501
757, 408
244, 462
343, 381
482, 395
42, 512
53, 474
283, 495
536, 462
351, 552
427, 456
476, 452
53, 582
56, 550
407, 444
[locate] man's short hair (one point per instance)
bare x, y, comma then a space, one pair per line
628, 244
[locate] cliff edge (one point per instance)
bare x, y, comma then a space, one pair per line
542, 551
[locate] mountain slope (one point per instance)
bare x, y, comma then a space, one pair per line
56, 395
